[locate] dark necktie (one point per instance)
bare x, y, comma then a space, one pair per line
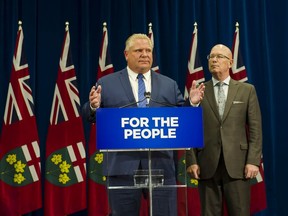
141, 91
221, 99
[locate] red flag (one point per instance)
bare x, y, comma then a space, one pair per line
155, 66
19, 142
65, 184
238, 72
195, 69
105, 65
195, 72
98, 199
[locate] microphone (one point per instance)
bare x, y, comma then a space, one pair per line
131, 104
148, 96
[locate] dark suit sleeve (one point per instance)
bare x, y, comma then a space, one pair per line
191, 157
87, 113
187, 102
254, 129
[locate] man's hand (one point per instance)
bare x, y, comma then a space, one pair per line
251, 171
196, 94
95, 97
194, 171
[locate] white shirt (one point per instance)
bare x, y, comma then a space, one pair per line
225, 86
134, 81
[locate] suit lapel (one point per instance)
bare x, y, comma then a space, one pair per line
125, 82
154, 86
233, 88
210, 96
154, 83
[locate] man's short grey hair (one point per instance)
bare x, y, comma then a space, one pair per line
130, 41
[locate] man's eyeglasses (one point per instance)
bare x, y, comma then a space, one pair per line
217, 56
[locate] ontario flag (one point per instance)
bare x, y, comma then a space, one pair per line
155, 66
258, 190
195, 69
190, 204
65, 174
20, 182
238, 70
97, 193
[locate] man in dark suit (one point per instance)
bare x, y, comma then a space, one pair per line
232, 140
120, 90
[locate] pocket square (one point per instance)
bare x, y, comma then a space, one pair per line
238, 102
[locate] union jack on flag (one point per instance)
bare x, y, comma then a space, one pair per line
105, 65
195, 69
20, 77
66, 101
65, 173
238, 70
19, 142
60, 112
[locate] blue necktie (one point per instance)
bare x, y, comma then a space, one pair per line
141, 91
221, 99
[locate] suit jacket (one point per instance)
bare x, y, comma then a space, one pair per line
238, 135
117, 92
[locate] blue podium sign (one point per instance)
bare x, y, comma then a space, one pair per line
152, 128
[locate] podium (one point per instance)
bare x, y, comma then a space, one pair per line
148, 137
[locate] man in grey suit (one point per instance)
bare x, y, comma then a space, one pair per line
232, 140
120, 89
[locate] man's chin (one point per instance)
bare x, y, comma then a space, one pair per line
145, 69
145, 65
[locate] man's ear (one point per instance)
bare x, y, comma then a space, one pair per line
126, 54
230, 63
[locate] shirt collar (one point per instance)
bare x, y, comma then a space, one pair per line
134, 75
226, 81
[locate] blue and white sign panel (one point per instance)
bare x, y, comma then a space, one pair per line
153, 128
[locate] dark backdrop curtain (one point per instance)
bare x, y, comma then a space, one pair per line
263, 36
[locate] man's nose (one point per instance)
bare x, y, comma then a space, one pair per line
144, 53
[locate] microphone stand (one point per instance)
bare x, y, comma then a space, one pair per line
133, 103
148, 96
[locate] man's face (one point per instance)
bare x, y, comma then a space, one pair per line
220, 61
139, 57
